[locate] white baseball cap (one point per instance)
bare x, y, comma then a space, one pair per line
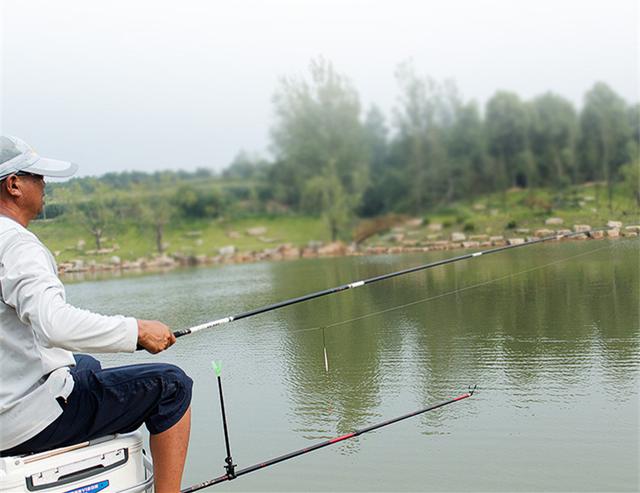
16, 155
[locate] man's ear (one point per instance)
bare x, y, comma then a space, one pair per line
11, 186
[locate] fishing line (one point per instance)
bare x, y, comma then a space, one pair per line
449, 293
371, 280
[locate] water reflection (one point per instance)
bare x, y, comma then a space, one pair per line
571, 321
550, 333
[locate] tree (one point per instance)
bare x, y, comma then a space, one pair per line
375, 134
424, 115
507, 126
96, 213
631, 179
605, 134
245, 166
633, 146
467, 154
326, 193
634, 126
318, 136
156, 210
554, 131
196, 202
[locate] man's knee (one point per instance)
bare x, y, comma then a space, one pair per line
174, 375
176, 398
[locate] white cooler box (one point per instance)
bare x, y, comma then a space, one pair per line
111, 464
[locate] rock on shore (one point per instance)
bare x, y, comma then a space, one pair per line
287, 251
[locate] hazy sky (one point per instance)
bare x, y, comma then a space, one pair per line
120, 85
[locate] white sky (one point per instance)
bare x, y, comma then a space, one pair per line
119, 85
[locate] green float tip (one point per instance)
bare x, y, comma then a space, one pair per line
217, 367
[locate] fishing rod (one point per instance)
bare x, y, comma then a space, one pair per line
371, 280
232, 473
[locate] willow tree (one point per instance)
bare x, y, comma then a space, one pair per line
319, 146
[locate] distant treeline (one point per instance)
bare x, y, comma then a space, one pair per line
333, 158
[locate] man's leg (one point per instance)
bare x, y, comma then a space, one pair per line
119, 400
162, 394
169, 451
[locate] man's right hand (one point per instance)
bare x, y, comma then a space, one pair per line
154, 336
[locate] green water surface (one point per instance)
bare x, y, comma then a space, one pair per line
550, 334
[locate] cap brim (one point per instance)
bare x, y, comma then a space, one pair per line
52, 167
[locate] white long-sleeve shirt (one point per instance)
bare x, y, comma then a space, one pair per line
38, 331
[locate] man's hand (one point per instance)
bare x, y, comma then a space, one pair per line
154, 336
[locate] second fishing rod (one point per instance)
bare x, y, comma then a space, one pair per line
371, 280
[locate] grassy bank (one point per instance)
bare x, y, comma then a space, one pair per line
505, 214
197, 237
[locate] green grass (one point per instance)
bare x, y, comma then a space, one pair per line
194, 237
527, 209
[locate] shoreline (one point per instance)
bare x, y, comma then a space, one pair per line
78, 269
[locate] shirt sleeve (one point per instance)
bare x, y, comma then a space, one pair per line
31, 286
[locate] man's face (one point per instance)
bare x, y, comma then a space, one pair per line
33, 193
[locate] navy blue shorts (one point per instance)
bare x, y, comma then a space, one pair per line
114, 400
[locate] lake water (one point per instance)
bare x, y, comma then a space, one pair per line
549, 333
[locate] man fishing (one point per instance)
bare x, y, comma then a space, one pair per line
49, 397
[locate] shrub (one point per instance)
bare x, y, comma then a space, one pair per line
196, 203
